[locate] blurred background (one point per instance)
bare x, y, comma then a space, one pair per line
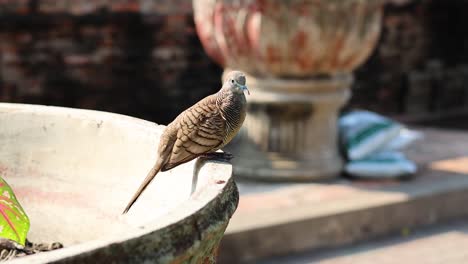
144, 59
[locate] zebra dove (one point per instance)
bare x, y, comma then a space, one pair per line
201, 129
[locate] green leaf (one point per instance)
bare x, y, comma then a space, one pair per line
14, 223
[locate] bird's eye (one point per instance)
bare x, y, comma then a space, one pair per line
232, 81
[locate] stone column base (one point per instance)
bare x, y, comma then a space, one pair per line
290, 132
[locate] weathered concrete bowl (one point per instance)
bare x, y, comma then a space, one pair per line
74, 170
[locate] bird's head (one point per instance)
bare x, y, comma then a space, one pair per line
235, 82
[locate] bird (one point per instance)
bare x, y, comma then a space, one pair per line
201, 130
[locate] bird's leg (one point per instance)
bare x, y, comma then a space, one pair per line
221, 156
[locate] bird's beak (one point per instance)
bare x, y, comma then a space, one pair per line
244, 88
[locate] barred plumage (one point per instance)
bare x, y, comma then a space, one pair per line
201, 129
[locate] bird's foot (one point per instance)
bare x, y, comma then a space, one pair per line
220, 156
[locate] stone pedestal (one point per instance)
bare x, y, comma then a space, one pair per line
299, 56
290, 132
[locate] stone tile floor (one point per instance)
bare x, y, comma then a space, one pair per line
284, 218
444, 244
440, 154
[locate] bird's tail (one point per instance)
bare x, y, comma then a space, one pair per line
151, 174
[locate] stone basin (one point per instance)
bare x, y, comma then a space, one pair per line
74, 170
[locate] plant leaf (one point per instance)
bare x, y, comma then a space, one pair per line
14, 223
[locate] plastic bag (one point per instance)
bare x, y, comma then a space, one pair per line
382, 165
364, 133
371, 144
403, 140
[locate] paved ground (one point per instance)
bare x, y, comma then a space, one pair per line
280, 219
440, 245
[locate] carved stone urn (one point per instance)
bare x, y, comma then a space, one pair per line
299, 57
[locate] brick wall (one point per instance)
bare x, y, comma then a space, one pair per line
140, 59
143, 58
421, 62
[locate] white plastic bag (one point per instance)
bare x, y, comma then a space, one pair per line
403, 140
364, 133
383, 165
372, 142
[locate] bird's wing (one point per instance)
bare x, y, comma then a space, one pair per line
201, 129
